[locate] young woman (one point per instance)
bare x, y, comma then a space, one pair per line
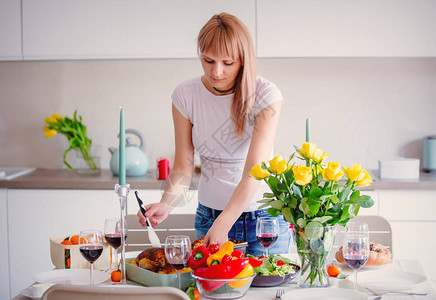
229, 115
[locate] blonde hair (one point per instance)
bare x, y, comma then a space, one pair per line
225, 34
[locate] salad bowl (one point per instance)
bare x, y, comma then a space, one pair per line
275, 271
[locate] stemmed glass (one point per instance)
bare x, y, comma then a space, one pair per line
112, 234
178, 252
267, 232
356, 246
91, 247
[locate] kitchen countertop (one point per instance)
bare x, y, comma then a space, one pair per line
64, 179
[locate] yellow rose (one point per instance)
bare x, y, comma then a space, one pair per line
278, 165
49, 120
355, 173
45, 128
319, 156
50, 133
307, 150
366, 181
302, 174
57, 117
333, 172
258, 172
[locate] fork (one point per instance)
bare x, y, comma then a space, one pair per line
395, 292
279, 294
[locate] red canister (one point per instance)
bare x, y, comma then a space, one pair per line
163, 168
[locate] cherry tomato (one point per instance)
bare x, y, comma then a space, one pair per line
196, 295
280, 263
334, 270
213, 248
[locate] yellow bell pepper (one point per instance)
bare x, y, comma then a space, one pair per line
226, 248
248, 271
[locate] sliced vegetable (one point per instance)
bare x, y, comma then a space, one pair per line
255, 262
238, 254
248, 271
199, 257
223, 271
226, 248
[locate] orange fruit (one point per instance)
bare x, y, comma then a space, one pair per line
66, 242
69, 262
74, 240
196, 295
116, 276
334, 270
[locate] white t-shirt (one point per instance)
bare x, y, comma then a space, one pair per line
222, 151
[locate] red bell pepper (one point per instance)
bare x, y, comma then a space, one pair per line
254, 262
222, 271
238, 254
199, 258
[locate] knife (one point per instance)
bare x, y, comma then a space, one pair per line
152, 236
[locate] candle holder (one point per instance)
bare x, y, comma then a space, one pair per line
122, 192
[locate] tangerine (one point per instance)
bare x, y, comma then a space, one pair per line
334, 270
116, 276
74, 240
66, 242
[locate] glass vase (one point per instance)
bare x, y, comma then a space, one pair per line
88, 160
314, 245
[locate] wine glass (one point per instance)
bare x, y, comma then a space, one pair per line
178, 252
267, 232
91, 247
356, 246
112, 234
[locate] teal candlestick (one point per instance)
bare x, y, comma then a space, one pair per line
122, 148
308, 130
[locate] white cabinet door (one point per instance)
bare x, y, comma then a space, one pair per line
4, 252
10, 30
81, 29
36, 215
412, 215
359, 28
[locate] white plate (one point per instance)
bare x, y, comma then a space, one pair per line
324, 293
388, 280
71, 276
36, 291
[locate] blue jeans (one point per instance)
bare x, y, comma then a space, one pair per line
244, 229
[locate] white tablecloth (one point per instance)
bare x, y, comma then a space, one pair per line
427, 269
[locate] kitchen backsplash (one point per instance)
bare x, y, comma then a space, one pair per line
362, 109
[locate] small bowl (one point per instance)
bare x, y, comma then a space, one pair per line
274, 280
223, 288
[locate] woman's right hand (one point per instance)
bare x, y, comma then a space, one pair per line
155, 212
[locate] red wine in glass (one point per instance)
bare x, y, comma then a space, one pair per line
267, 239
114, 239
91, 253
356, 261
178, 252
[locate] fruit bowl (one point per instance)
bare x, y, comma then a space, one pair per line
223, 288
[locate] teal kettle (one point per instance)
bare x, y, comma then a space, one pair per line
136, 159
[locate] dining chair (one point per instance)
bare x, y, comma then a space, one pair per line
380, 231
110, 292
137, 236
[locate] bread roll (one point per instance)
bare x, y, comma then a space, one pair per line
378, 255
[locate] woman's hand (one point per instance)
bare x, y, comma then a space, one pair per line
216, 236
156, 213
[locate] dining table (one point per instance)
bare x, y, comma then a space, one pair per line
413, 267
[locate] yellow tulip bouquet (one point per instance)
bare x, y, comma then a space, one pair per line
313, 197
75, 132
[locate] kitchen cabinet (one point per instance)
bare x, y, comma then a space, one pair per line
10, 30
353, 28
4, 252
81, 29
36, 215
412, 215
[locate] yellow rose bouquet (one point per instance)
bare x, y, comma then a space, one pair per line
75, 132
313, 197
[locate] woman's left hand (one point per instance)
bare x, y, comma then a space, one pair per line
216, 236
